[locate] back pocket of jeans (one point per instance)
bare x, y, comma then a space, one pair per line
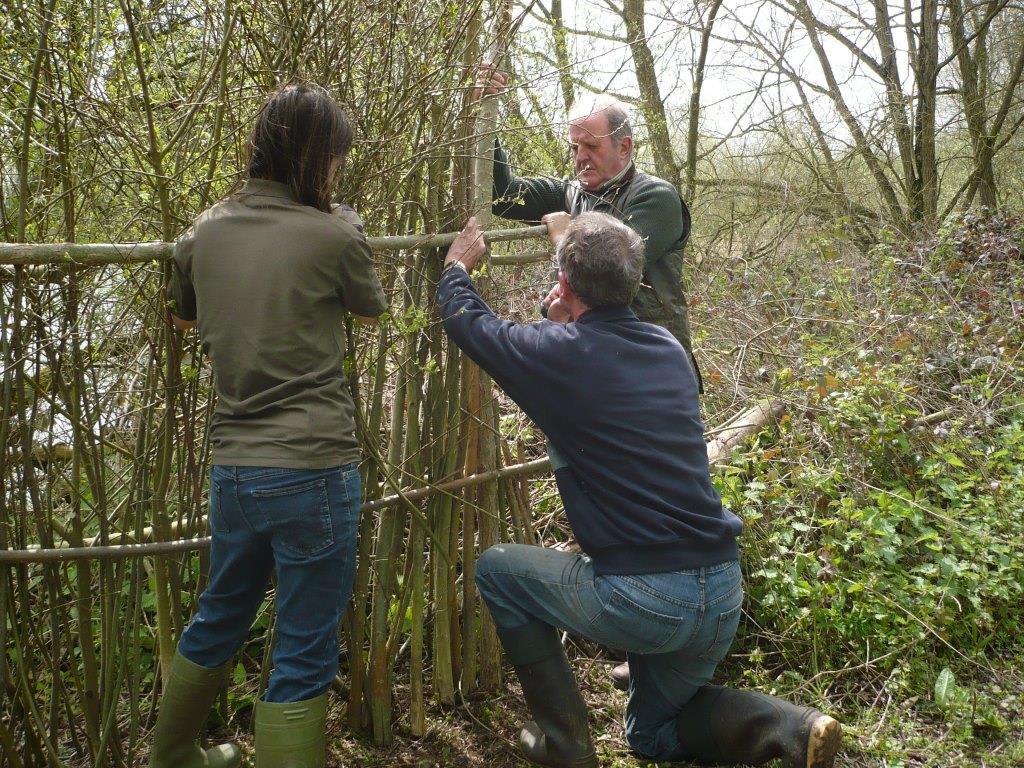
725, 631
299, 516
628, 626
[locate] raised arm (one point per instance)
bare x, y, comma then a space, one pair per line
504, 349
362, 285
524, 198
359, 287
179, 294
517, 198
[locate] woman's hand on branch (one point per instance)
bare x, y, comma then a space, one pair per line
468, 247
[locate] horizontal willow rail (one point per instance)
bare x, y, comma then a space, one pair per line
10, 557
97, 254
124, 551
729, 434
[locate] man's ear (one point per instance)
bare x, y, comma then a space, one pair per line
564, 287
626, 147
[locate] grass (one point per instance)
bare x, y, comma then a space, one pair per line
880, 730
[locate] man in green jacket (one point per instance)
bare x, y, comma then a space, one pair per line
607, 181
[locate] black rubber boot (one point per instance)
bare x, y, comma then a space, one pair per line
723, 726
559, 736
620, 676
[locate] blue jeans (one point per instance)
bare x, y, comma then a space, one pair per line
675, 627
303, 524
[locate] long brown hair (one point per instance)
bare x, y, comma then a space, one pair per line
299, 134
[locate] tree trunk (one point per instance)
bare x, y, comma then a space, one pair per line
693, 125
925, 206
650, 95
975, 106
559, 36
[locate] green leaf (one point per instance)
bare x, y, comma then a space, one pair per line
945, 688
988, 718
238, 677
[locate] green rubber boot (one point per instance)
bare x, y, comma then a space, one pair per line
189, 692
291, 735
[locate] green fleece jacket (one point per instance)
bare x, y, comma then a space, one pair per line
651, 206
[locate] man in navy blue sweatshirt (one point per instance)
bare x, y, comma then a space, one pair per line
660, 578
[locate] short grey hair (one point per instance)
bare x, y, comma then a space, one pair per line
602, 259
615, 110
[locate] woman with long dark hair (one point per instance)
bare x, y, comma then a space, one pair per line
268, 275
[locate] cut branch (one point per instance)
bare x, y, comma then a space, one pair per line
737, 429
96, 254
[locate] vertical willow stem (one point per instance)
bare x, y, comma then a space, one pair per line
414, 465
417, 713
483, 455
443, 568
83, 572
469, 522
360, 592
384, 561
6, 522
390, 533
490, 527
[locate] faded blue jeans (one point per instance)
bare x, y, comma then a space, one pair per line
303, 524
674, 627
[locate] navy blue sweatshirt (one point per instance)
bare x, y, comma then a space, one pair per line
617, 398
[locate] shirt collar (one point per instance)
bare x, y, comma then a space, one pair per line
607, 314
266, 188
622, 177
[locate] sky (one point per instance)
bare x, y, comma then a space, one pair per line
731, 105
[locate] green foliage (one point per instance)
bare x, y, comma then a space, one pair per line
960, 705
883, 519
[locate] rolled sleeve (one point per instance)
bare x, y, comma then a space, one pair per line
180, 291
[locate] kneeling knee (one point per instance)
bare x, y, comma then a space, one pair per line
492, 560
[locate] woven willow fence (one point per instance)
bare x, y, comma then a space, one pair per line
102, 560
132, 119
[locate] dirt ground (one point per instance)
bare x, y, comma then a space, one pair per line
480, 731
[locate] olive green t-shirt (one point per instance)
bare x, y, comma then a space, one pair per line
269, 281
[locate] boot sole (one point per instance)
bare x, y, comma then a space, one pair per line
824, 742
580, 762
224, 756
529, 752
